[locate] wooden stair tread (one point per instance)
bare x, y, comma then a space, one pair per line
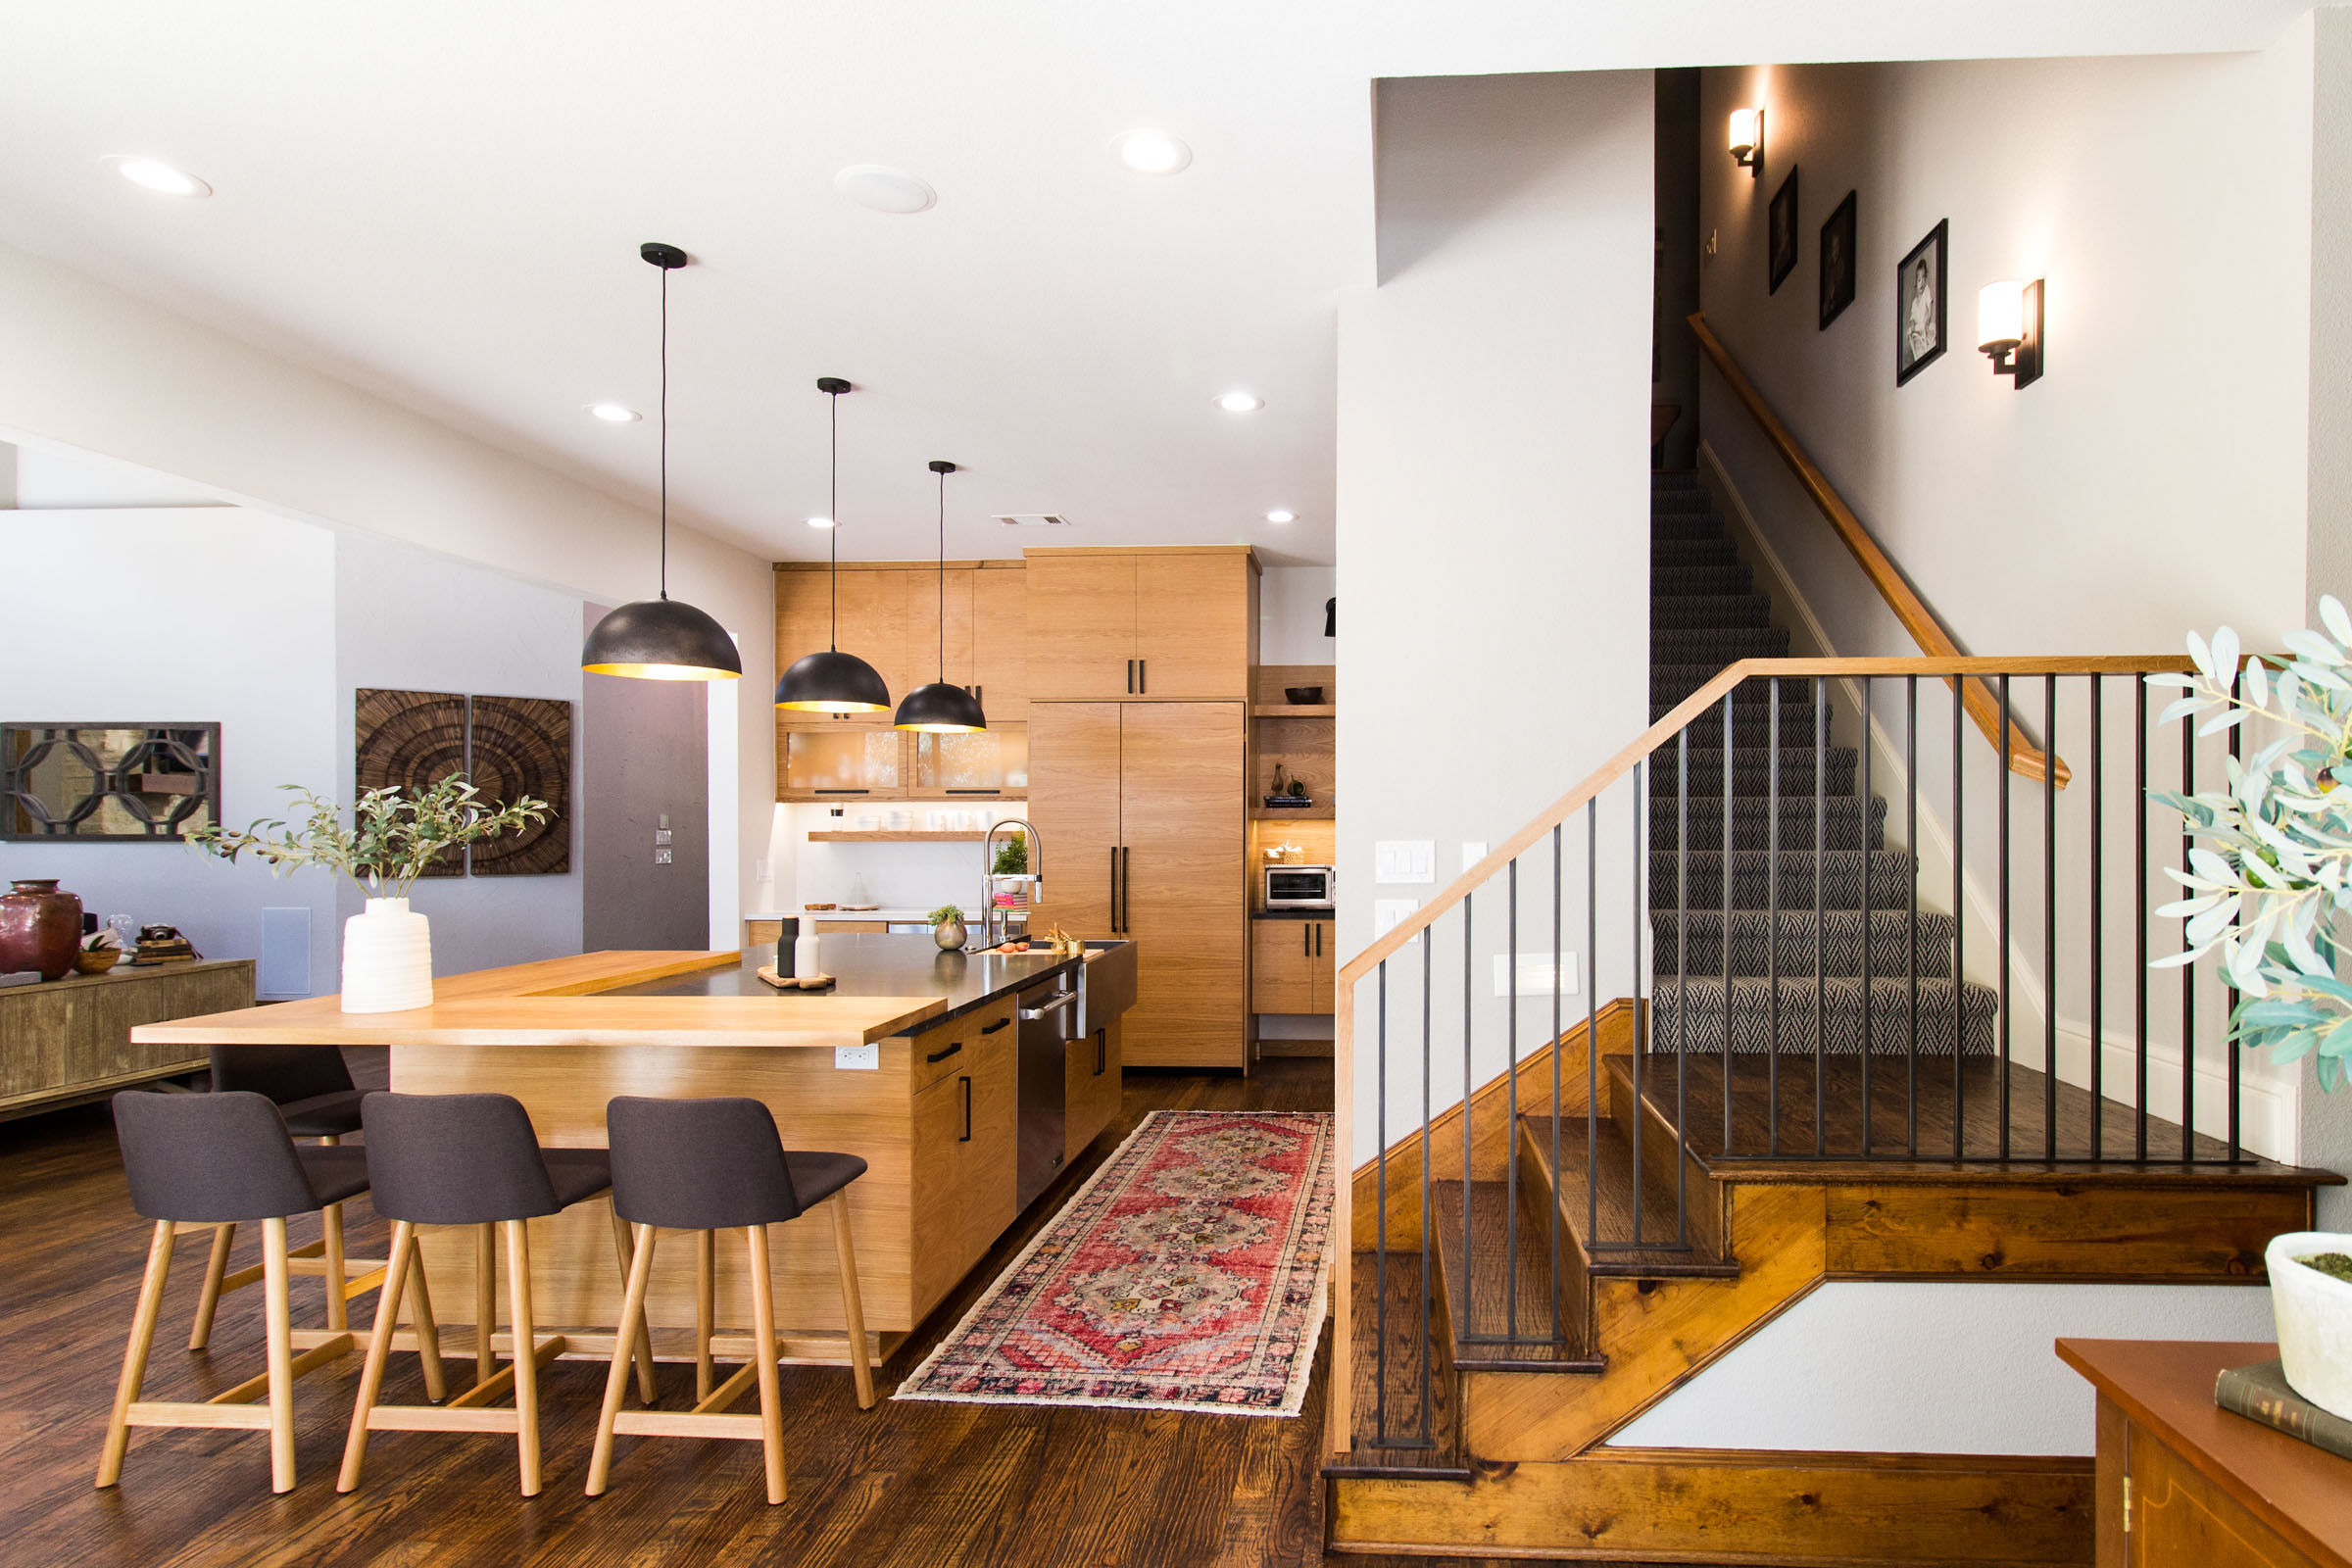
1482, 1289
1399, 1416
1978, 1106
1612, 1159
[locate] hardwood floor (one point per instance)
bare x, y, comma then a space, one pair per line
907, 1484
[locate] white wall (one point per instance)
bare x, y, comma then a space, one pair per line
200, 614
1494, 487
410, 619
89, 367
1290, 614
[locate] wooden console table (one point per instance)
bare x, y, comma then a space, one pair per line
69, 1041
2185, 1484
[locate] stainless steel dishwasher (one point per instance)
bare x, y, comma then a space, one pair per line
1045, 1017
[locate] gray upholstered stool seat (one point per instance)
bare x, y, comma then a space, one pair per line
705, 1166
475, 1160
216, 1159
312, 1090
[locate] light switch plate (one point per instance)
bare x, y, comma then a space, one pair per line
858, 1059
663, 835
1389, 913
1404, 862
661, 858
1473, 852
664, 822
1535, 974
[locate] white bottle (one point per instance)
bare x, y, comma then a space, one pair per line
807, 956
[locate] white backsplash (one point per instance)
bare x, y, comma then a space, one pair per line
898, 875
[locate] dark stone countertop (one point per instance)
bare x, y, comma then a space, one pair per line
868, 964
1293, 914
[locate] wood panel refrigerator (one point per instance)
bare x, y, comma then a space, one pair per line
1142, 810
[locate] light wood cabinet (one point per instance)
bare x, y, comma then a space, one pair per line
1149, 626
1001, 644
1091, 1088
903, 618
1281, 967
68, 1039
965, 1141
1141, 809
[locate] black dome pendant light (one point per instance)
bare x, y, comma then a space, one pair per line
661, 639
833, 682
938, 707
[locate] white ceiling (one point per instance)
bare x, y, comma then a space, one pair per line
441, 201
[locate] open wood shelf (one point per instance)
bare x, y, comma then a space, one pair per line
1320, 811
1293, 710
900, 836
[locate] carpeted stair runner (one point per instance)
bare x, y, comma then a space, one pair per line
1795, 976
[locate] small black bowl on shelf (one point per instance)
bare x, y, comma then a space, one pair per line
1304, 696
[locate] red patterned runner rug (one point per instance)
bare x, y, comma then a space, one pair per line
1191, 1272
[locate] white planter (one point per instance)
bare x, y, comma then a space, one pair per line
387, 958
2314, 1314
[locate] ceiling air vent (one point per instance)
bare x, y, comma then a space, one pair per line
1032, 520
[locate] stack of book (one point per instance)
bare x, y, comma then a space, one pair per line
2261, 1393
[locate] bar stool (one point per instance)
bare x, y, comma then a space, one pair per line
314, 1092
473, 1159
214, 1160
705, 1166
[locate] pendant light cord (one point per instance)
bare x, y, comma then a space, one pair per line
834, 532
943, 577
665, 432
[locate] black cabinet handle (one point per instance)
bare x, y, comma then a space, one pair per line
1126, 888
841, 791
1101, 1051
975, 792
1318, 939
942, 1055
1131, 677
1113, 915
992, 1028
1306, 941
1143, 677
968, 1111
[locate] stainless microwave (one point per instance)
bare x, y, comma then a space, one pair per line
1298, 887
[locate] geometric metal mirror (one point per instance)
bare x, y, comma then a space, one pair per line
116, 783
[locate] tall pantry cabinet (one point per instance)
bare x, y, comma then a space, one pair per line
1138, 767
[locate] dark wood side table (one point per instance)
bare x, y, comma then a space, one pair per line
2185, 1484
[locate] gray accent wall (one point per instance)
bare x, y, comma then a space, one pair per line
643, 756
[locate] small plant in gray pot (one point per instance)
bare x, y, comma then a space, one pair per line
946, 927
2269, 889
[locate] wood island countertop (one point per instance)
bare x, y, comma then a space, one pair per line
556, 1002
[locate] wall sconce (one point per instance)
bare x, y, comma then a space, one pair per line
2009, 328
1748, 140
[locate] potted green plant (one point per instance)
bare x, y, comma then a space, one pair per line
946, 926
393, 838
2269, 889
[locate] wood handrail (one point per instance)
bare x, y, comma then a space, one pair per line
1885, 575
1725, 680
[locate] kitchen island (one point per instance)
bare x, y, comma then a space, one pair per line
911, 1061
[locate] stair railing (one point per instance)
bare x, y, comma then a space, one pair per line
1720, 952
1877, 565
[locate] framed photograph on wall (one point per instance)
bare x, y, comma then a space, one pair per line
1919, 304
1780, 248
1837, 262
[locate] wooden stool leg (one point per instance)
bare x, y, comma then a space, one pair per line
215, 1269
641, 1341
428, 1332
706, 1310
763, 1349
281, 1355
852, 1311
526, 1363
485, 1303
338, 1306
379, 1349
617, 1380
135, 1355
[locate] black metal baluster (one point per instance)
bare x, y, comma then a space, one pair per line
1821, 990
1469, 1327
2139, 903
2233, 1155
1681, 964
1911, 839
2098, 918
1429, 1235
1730, 847
2049, 916
1380, 1238
1640, 1029
2002, 838
1772, 919
1510, 1123
1558, 961
1862, 800
1592, 1019
2188, 971
1959, 930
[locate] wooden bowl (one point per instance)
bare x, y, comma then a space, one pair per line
98, 962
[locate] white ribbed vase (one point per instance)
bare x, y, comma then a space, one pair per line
2314, 1314
387, 958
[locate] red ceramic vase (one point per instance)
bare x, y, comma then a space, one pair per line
40, 928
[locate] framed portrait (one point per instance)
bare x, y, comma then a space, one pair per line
1920, 305
1779, 249
1837, 262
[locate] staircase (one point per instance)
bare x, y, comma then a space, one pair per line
1801, 1088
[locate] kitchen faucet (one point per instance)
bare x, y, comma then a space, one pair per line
989, 937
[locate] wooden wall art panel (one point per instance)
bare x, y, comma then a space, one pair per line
521, 746
410, 741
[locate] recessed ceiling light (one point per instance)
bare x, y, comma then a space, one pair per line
1152, 152
1280, 514
615, 413
1241, 403
150, 173
885, 189
821, 522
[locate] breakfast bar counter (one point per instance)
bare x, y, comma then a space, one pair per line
910, 1061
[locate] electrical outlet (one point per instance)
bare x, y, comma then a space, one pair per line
858, 1059
661, 858
1536, 977
762, 871
1403, 861
1389, 913
663, 835
1473, 852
